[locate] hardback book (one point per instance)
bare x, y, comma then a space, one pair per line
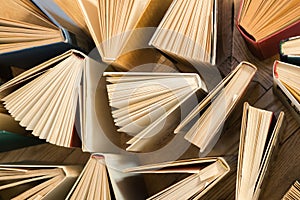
293, 193
64, 101
48, 99
141, 102
29, 30
287, 86
259, 136
216, 107
112, 24
20, 182
201, 174
102, 178
263, 24
290, 50
188, 31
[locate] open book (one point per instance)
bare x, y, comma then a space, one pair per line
20, 182
189, 31
290, 50
102, 178
202, 175
293, 193
264, 24
47, 99
216, 107
287, 86
25, 25
259, 135
112, 23
141, 102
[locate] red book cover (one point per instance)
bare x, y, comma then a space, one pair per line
268, 46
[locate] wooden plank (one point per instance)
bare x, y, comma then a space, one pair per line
44, 153
224, 27
285, 170
77, 157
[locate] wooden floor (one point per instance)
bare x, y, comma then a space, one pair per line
231, 50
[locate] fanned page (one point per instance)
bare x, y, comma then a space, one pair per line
291, 47
111, 22
31, 182
223, 100
141, 101
289, 77
293, 193
262, 18
72, 9
47, 103
23, 25
188, 31
204, 173
93, 183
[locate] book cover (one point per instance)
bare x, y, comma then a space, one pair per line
268, 46
11, 141
286, 88
290, 53
203, 124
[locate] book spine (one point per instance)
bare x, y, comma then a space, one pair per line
253, 46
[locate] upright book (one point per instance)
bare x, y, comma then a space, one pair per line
20, 182
216, 107
141, 102
290, 50
102, 178
259, 135
202, 175
293, 193
287, 86
263, 24
29, 31
112, 23
188, 31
